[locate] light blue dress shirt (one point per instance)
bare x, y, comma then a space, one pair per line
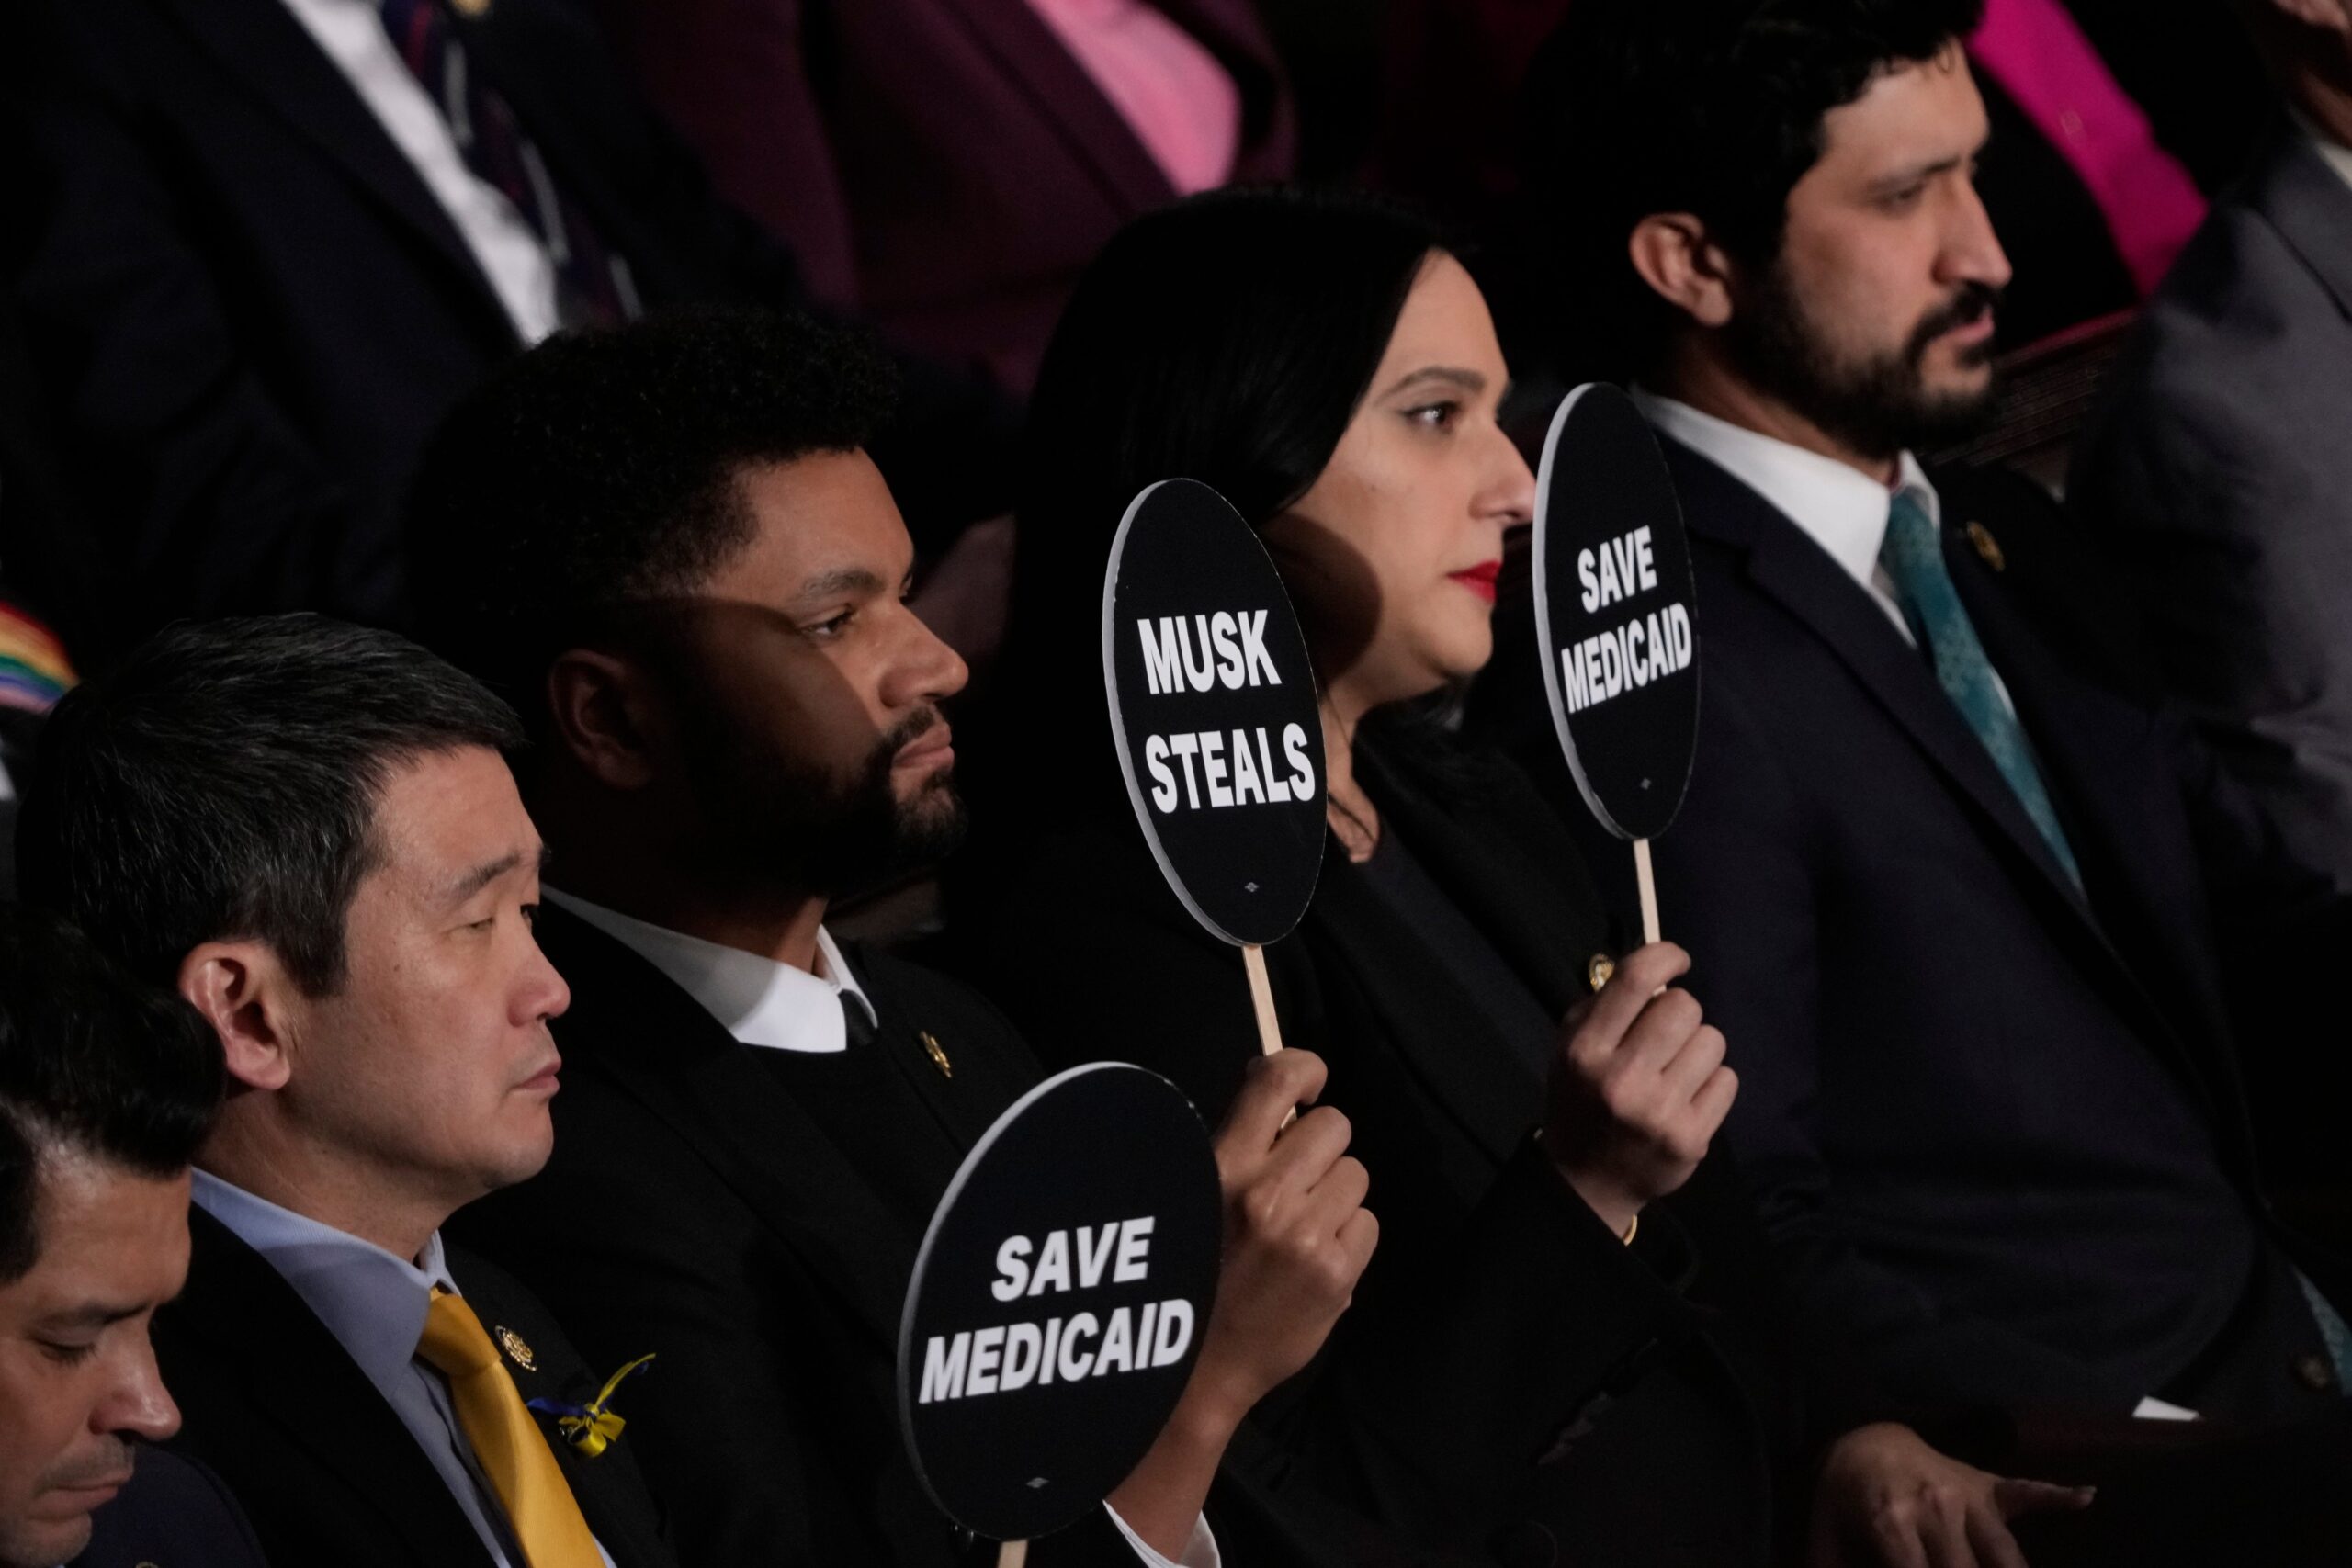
374, 1303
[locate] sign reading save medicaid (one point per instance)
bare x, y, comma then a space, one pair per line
1613, 613
1213, 707
1058, 1301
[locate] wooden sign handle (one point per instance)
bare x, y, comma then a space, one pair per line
1649, 890
1011, 1554
1261, 994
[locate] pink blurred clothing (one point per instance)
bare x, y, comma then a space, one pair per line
2037, 52
1175, 96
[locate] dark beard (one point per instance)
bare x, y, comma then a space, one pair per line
1879, 407
774, 820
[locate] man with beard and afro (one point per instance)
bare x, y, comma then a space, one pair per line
667, 545
1998, 950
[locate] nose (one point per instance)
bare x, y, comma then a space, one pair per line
1509, 495
544, 993
1972, 252
926, 669
141, 1405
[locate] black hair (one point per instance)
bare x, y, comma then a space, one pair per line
93, 1062
1226, 339
1712, 108
604, 467
221, 781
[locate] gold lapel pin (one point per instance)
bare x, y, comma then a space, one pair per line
516, 1352
1987, 546
938, 1057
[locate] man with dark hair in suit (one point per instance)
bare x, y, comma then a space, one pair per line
2217, 478
1971, 914
667, 545
308, 829
105, 1088
261, 246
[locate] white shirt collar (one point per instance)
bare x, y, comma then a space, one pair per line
1842, 509
373, 1302
2337, 155
761, 1002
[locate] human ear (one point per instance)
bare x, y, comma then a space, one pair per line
246, 994
1671, 253
598, 706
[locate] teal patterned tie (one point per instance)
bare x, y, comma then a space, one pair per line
1913, 556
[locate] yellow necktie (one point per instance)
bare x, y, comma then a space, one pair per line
508, 1443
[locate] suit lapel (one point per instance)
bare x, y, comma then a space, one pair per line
304, 1382
1035, 59
1785, 564
1445, 1040
261, 44
658, 1047
2089, 744
2296, 192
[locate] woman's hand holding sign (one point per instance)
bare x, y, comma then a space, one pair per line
1638, 1090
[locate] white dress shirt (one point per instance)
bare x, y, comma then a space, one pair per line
783, 1008
374, 1303
509, 251
1839, 507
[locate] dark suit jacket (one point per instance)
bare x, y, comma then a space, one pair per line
945, 165
693, 1208
325, 1470
175, 1514
1510, 1378
1997, 1130
247, 310
2219, 484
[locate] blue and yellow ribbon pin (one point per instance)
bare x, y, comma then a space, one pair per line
592, 1426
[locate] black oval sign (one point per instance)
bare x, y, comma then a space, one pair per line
1212, 705
1059, 1299
1614, 613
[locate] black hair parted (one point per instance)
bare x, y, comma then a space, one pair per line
221, 781
604, 466
1229, 338
1712, 108
92, 1061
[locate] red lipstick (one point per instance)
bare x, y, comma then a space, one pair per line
1480, 579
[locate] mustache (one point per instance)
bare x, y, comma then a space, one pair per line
921, 722
102, 1466
1972, 303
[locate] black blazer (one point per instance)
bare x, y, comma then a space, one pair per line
1998, 1130
325, 1470
175, 1514
1510, 1378
693, 1208
247, 310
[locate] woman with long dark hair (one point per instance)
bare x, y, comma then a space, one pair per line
1540, 1352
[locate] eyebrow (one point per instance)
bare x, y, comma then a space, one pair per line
95, 1314
1468, 381
482, 876
1917, 173
842, 579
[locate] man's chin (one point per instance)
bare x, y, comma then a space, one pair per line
44, 1543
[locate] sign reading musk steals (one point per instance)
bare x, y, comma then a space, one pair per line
1212, 705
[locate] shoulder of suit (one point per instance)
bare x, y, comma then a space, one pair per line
175, 1509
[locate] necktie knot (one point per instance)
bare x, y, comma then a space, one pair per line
455, 1344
